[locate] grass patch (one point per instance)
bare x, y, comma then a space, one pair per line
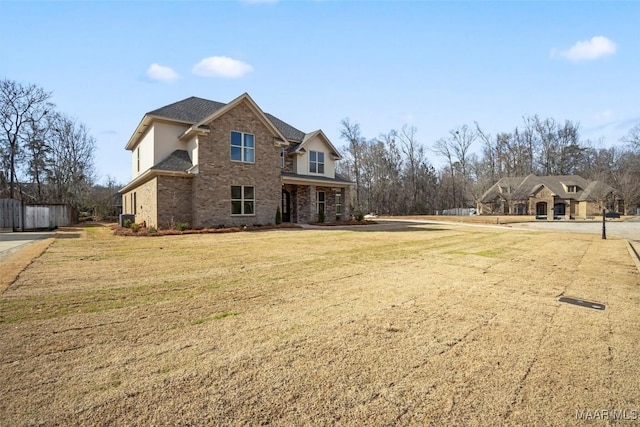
434, 324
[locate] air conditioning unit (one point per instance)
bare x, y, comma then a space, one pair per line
124, 217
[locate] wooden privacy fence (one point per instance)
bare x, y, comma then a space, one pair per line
10, 214
16, 216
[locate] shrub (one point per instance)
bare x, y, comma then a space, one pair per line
181, 226
321, 217
135, 227
152, 229
359, 216
127, 223
278, 215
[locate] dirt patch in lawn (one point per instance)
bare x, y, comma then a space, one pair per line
430, 324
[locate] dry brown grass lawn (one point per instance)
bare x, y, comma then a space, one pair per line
424, 324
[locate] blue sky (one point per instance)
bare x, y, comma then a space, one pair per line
432, 64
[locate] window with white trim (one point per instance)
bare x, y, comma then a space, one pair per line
138, 159
321, 201
281, 157
243, 147
316, 162
243, 200
338, 205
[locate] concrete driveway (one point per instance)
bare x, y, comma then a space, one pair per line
11, 241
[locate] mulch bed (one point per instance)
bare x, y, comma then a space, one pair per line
144, 232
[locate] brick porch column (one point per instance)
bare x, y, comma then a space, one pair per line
313, 209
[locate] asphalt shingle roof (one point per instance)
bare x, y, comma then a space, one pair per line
190, 110
178, 161
194, 109
521, 188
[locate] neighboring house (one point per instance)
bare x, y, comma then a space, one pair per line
566, 197
211, 164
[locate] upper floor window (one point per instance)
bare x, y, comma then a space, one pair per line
242, 147
138, 159
316, 162
572, 189
281, 157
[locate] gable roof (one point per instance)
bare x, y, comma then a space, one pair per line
308, 137
521, 188
194, 110
244, 98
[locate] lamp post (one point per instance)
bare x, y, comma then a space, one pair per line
604, 227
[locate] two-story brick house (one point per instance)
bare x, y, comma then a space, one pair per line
208, 164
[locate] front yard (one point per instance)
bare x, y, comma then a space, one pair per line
417, 324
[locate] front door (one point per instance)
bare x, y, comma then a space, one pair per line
286, 206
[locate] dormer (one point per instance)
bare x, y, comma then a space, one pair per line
316, 156
571, 187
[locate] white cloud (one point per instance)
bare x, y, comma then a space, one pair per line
221, 66
161, 73
605, 115
595, 48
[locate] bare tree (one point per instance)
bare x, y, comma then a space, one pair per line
462, 139
414, 155
70, 165
443, 148
350, 132
633, 138
22, 108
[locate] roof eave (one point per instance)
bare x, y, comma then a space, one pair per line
143, 126
149, 175
192, 131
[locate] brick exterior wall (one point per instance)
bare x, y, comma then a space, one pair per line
174, 201
211, 203
145, 202
288, 162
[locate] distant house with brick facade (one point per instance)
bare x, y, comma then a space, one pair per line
209, 164
550, 197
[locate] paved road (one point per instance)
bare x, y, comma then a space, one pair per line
625, 229
629, 229
10, 241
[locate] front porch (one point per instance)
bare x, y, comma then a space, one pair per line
306, 203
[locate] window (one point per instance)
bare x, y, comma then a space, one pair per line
242, 147
133, 203
138, 159
242, 200
572, 189
281, 157
316, 162
541, 209
320, 199
338, 205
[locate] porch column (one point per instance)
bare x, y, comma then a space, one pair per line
346, 203
313, 208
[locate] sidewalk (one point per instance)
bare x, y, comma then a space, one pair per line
11, 241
